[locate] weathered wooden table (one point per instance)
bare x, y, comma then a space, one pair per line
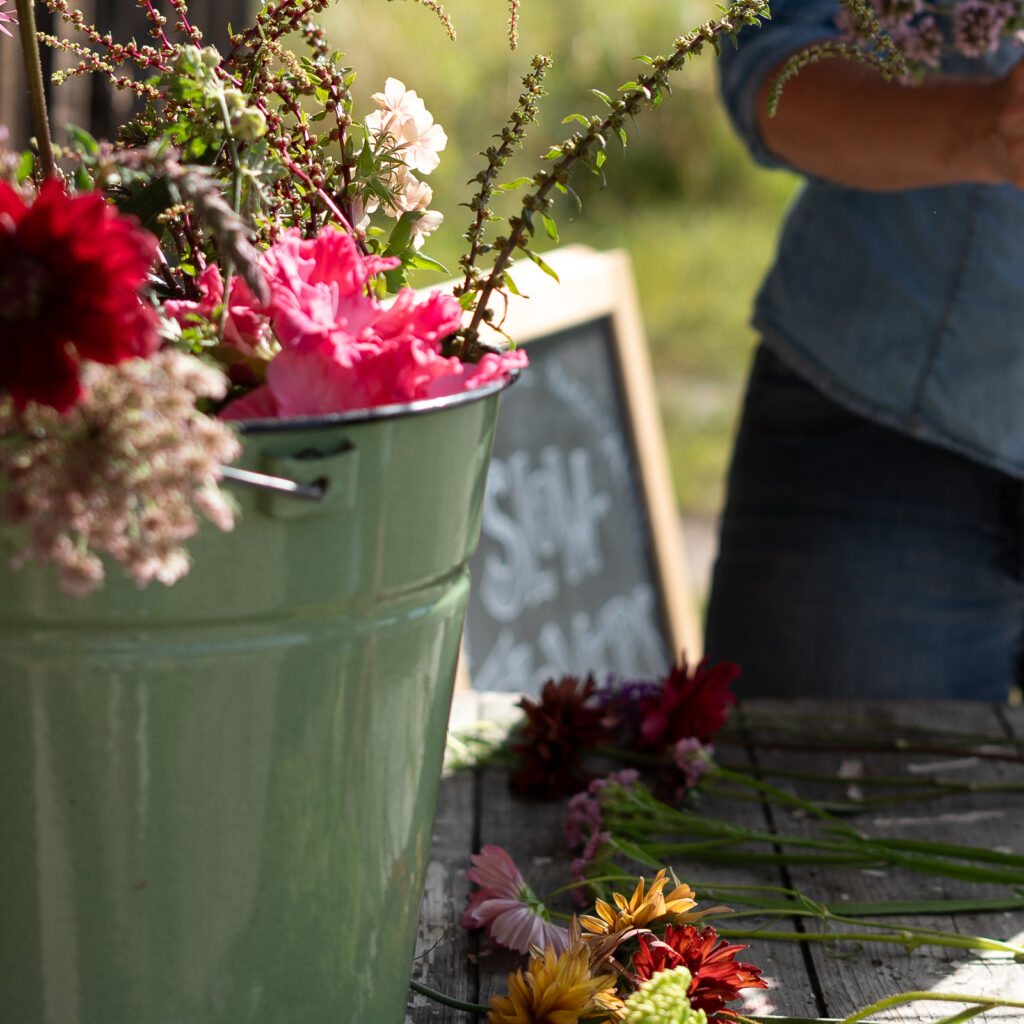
807, 979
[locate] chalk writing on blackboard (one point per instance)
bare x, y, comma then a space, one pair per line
564, 579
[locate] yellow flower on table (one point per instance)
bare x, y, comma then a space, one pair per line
642, 908
556, 990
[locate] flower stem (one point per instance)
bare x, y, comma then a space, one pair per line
36, 86
986, 1002
440, 997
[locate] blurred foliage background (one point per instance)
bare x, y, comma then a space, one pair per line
697, 216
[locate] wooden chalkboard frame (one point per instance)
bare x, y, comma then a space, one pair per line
599, 286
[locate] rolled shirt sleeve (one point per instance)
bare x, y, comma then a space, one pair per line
794, 24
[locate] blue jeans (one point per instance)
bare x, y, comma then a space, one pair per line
856, 561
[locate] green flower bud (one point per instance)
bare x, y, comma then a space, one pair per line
249, 126
210, 57
235, 102
664, 999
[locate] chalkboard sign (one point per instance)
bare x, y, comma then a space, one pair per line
580, 566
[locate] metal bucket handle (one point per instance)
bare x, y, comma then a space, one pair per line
276, 484
324, 482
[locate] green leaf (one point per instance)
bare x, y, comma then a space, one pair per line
635, 852
148, 203
549, 227
540, 263
509, 186
419, 261
568, 190
576, 117
604, 97
82, 140
25, 166
400, 238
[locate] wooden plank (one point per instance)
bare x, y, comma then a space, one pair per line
849, 979
445, 952
783, 964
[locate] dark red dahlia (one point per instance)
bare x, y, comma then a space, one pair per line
70, 271
688, 705
717, 975
559, 728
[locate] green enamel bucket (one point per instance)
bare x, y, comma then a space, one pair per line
217, 798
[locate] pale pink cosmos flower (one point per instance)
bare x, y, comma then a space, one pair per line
506, 906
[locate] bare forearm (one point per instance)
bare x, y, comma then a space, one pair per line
840, 120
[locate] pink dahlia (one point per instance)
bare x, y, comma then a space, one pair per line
70, 272
506, 906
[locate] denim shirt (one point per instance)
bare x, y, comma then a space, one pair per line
905, 306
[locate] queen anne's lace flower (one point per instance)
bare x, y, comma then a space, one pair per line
124, 473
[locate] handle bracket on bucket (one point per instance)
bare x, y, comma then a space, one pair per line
322, 478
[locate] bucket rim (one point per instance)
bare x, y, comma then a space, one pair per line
397, 410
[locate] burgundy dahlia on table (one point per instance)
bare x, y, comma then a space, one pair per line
70, 272
687, 704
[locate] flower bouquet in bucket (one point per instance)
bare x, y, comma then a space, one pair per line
218, 796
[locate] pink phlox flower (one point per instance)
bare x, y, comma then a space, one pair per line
404, 118
579, 866
506, 907
978, 25
246, 326
8, 17
583, 818
625, 778
693, 759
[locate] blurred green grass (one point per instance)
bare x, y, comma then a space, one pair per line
696, 215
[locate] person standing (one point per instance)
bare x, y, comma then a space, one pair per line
872, 541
